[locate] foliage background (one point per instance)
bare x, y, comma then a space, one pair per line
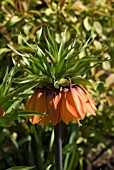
91, 145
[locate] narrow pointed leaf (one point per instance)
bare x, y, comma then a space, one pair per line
29, 113
38, 34
20, 54
22, 89
82, 81
62, 45
21, 168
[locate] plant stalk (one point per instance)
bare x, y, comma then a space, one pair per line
58, 146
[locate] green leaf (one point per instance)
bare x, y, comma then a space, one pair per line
59, 68
20, 54
12, 105
38, 64
27, 79
6, 121
51, 141
12, 94
98, 27
70, 54
24, 139
52, 51
7, 81
21, 168
51, 42
61, 82
3, 85
71, 145
61, 47
82, 81
98, 52
87, 23
29, 45
73, 161
29, 113
43, 60
4, 50
14, 20
101, 87
48, 168
52, 59
38, 34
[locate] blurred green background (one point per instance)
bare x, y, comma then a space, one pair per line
90, 147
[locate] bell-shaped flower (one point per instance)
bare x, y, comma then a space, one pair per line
70, 104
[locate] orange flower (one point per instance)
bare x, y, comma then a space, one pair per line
88, 103
76, 103
70, 104
37, 103
53, 108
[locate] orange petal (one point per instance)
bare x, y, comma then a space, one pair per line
53, 103
39, 106
45, 120
75, 104
29, 103
88, 105
88, 95
30, 106
37, 103
65, 113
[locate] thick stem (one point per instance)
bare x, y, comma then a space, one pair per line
58, 146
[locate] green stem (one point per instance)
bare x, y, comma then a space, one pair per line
58, 146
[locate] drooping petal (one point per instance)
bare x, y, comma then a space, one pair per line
53, 108
45, 120
30, 106
40, 102
89, 96
40, 106
66, 110
53, 104
69, 104
77, 104
88, 104
37, 103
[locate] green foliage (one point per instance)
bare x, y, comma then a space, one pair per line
20, 168
56, 62
24, 144
10, 99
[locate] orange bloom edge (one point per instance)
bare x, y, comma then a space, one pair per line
71, 103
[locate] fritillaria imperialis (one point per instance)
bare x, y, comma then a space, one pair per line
58, 70
70, 103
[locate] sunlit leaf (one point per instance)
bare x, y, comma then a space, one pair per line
15, 19
21, 168
38, 34
87, 23
110, 100
29, 113
61, 47
82, 81
98, 27
110, 80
